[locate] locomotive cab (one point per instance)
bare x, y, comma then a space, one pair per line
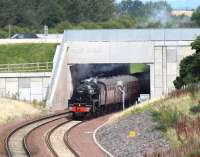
83, 98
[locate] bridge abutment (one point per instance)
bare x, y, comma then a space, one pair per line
162, 50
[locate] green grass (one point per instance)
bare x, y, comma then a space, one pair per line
26, 53
166, 112
165, 118
138, 67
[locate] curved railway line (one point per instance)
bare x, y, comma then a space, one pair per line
55, 139
46, 133
35, 146
66, 140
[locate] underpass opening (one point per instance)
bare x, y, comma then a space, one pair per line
80, 72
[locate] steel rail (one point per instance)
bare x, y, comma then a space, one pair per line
7, 139
25, 139
47, 138
66, 139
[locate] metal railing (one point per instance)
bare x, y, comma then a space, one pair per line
26, 67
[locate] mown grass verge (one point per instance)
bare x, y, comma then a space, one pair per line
12, 109
26, 53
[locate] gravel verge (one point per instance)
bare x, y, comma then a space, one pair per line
115, 137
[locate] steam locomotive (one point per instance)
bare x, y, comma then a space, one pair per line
100, 95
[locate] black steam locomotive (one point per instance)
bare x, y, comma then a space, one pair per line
97, 95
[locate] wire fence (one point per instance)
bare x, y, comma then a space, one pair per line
27, 67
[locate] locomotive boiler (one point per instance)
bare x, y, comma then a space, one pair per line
100, 95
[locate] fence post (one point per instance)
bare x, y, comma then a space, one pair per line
38, 66
26, 67
8, 68
23, 67
47, 68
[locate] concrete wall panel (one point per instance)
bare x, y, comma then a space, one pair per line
172, 69
158, 55
170, 79
28, 88
158, 81
45, 82
36, 82
24, 83
11, 86
25, 93
44, 93
159, 68
172, 55
2, 92
158, 92
36, 90
109, 52
2, 83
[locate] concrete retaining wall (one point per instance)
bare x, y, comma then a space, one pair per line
25, 86
165, 68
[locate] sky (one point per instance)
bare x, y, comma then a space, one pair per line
179, 4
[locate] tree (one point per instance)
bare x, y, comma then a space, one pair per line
196, 16
50, 12
131, 8
196, 45
99, 10
7, 14
89, 10
190, 67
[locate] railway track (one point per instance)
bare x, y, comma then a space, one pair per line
34, 141
15, 143
55, 140
66, 140
50, 137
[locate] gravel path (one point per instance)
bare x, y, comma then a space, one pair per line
115, 137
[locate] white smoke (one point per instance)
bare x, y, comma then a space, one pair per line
162, 16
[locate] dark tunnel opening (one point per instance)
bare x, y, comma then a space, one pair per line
80, 72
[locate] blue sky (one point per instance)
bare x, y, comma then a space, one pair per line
177, 4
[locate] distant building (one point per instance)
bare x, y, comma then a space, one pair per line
182, 12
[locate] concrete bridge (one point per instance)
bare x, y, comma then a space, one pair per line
162, 49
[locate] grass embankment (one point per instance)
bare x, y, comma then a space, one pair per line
177, 117
138, 67
26, 53
11, 110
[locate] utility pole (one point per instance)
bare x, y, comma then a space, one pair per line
9, 31
121, 88
46, 30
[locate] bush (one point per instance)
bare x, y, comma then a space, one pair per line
59, 28
3, 34
195, 109
90, 25
166, 117
177, 93
189, 67
38, 104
